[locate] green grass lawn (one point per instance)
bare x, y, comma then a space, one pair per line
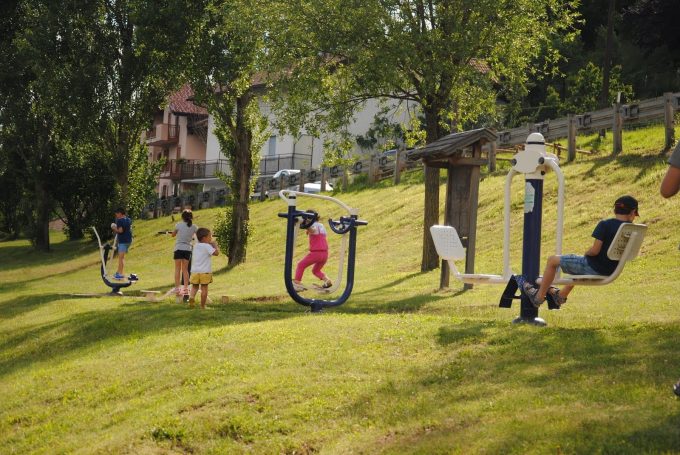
400, 368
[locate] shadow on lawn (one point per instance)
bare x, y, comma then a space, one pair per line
15, 257
62, 338
643, 164
607, 387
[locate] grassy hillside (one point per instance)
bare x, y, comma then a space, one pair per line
400, 368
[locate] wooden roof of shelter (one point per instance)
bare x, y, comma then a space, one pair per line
454, 145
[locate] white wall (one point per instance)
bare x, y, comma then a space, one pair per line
287, 144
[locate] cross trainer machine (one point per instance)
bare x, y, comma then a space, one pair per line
115, 285
345, 226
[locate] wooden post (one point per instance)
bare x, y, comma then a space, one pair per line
397, 167
445, 272
302, 181
668, 121
345, 178
571, 138
493, 145
371, 170
617, 130
324, 177
473, 199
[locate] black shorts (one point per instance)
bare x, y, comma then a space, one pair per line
182, 254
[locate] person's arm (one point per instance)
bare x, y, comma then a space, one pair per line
217, 248
595, 249
671, 182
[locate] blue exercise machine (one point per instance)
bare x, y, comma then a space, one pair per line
345, 226
115, 285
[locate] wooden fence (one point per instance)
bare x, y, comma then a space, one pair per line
392, 165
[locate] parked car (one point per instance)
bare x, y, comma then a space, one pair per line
310, 187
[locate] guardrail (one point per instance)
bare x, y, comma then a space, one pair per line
615, 118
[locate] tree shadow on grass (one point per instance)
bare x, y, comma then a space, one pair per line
523, 370
18, 306
66, 337
15, 257
643, 164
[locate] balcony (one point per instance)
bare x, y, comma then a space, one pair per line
162, 134
178, 170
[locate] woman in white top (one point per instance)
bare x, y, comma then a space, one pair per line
184, 234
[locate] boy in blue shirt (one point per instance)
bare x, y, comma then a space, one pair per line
594, 262
123, 228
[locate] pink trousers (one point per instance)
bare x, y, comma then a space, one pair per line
318, 258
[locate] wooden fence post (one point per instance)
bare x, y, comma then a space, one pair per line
617, 130
302, 181
397, 167
571, 138
668, 121
492, 156
371, 170
345, 178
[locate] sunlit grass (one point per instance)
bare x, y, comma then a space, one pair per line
400, 368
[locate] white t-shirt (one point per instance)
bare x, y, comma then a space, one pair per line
184, 236
200, 259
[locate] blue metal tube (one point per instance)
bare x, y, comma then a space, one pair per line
316, 304
531, 245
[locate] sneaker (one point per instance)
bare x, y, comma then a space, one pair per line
327, 284
532, 293
298, 287
555, 293
118, 276
676, 388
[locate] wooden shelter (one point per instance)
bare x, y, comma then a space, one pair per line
461, 155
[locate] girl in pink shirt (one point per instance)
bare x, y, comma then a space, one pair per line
317, 256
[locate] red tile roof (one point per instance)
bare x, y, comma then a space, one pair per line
179, 103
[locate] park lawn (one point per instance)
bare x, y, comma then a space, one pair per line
402, 367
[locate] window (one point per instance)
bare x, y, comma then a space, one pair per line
272, 146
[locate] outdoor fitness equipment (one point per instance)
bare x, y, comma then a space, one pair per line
345, 226
533, 162
115, 285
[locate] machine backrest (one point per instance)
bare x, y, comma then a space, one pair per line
623, 236
447, 242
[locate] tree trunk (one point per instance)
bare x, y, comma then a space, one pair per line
43, 209
243, 165
607, 61
430, 259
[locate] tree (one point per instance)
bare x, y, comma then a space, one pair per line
452, 58
226, 50
141, 46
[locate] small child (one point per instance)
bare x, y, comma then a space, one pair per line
201, 274
594, 261
318, 254
122, 227
184, 233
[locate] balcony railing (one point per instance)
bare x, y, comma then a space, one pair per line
193, 169
270, 164
162, 134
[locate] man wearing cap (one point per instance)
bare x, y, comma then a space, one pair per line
594, 262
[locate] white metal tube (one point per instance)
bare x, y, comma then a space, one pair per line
350, 210
552, 163
506, 225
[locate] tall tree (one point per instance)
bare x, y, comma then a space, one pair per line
141, 45
226, 50
452, 57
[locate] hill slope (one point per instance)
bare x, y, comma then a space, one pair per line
400, 368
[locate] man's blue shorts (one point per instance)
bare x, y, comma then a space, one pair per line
123, 247
573, 264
